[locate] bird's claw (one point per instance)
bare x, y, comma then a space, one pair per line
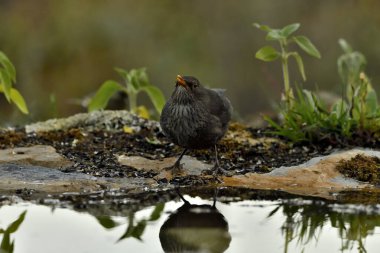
175, 168
216, 172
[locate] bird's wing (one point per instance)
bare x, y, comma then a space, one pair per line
218, 104
221, 92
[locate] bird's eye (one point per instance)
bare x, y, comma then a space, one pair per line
195, 85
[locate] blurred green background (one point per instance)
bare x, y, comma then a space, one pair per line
67, 48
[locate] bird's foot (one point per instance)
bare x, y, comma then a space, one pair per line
217, 172
175, 167
175, 170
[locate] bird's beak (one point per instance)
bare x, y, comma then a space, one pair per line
181, 81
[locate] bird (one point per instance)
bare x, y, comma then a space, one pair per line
184, 229
195, 117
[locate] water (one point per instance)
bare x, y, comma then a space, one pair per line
244, 226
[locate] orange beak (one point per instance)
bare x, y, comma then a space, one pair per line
181, 81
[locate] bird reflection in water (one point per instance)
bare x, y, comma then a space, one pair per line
195, 228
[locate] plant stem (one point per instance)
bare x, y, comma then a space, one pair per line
285, 72
132, 97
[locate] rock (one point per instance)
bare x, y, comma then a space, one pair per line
190, 165
38, 178
97, 120
38, 155
317, 177
47, 180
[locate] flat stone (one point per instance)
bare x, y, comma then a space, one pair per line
38, 178
47, 180
317, 177
38, 155
103, 120
190, 165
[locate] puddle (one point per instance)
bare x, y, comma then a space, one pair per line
291, 225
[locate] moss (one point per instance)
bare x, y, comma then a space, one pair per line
362, 168
11, 138
368, 197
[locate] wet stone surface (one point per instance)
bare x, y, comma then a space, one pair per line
13, 177
189, 166
39, 155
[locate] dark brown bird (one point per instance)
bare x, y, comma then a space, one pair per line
183, 231
195, 117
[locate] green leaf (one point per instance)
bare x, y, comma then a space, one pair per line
345, 46
300, 64
15, 225
289, 29
129, 79
7, 75
7, 64
106, 222
267, 53
306, 45
349, 67
134, 231
264, 28
339, 108
122, 72
156, 96
275, 34
103, 95
138, 230
371, 103
11, 247
272, 123
6, 243
155, 215
310, 98
5, 84
274, 211
19, 101
137, 78
142, 77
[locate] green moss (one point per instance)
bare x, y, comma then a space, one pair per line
362, 168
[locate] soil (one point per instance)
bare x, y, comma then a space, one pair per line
362, 168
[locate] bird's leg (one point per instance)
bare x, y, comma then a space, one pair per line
177, 164
217, 170
217, 165
181, 196
216, 191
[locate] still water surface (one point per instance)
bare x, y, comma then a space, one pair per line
198, 226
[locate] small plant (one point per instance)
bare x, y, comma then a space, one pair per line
7, 245
284, 37
7, 79
350, 64
135, 81
136, 227
357, 111
361, 99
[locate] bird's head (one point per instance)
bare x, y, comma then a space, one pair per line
190, 83
186, 88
